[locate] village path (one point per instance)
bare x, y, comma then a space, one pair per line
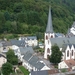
47, 62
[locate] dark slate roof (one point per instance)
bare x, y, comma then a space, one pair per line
27, 56
44, 72
59, 34
62, 40
74, 45
33, 60
39, 65
1, 55
31, 37
28, 38
64, 46
6, 43
49, 28
1, 44
23, 50
18, 43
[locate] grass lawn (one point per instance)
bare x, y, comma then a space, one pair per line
25, 71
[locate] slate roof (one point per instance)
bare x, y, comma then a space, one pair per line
20, 43
44, 72
58, 35
64, 46
6, 43
28, 38
70, 63
1, 55
27, 56
23, 50
33, 60
1, 44
62, 40
31, 37
49, 28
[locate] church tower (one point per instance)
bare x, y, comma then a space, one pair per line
48, 34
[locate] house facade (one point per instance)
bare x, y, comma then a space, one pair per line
67, 64
29, 59
30, 40
2, 60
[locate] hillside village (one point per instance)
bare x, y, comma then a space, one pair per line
39, 64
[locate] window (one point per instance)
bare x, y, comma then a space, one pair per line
46, 37
72, 52
48, 41
51, 36
68, 53
48, 50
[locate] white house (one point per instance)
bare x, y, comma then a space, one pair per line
30, 40
59, 39
33, 63
29, 59
72, 29
67, 64
2, 60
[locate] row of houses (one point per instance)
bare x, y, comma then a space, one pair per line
29, 59
23, 49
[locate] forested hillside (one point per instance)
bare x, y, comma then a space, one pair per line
30, 16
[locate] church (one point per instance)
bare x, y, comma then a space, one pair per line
65, 43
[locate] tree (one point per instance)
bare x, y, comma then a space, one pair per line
7, 68
56, 54
11, 58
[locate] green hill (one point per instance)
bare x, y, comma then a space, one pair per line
30, 16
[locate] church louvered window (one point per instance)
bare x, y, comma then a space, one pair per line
68, 53
48, 50
51, 36
72, 52
46, 37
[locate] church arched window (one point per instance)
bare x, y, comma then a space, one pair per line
72, 52
68, 53
48, 50
46, 37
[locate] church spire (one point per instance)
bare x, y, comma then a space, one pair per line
49, 28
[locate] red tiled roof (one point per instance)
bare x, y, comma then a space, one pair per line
53, 71
70, 63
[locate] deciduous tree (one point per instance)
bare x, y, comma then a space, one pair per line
7, 69
56, 54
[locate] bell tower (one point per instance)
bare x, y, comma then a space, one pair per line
48, 34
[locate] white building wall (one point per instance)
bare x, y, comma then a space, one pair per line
68, 49
45, 68
2, 61
72, 48
32, 42
62, 65
47, 45
73, 68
